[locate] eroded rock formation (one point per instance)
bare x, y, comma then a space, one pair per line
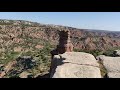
68, 64
64, 45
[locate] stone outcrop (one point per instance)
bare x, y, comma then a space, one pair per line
114, 75
74, 65
68, 64
64, 45
112, 65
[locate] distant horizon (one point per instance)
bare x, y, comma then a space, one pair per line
105, 21
63, 25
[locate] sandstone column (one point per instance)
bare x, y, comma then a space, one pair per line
64, 45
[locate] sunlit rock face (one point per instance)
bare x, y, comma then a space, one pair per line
75, 65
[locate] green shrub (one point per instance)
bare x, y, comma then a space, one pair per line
10, 56
108, 53
96, 52
93, 52
76, 50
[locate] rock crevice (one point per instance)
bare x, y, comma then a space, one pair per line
75, 65
112, 65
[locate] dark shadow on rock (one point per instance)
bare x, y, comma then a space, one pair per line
106, 76
56, 62
44, 76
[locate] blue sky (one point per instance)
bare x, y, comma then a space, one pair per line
84, 20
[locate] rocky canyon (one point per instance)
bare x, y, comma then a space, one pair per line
25, 49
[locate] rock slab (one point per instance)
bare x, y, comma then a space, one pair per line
112, 65
74, 65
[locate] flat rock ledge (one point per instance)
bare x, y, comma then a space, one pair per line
74, 65
112, 65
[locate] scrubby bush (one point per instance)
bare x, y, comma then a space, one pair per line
96, 52
108, 53
34, 62
93, 52
9, 56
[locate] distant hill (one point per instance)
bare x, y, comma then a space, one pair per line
26, 35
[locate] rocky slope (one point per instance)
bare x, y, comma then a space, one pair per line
20, 38
22, 35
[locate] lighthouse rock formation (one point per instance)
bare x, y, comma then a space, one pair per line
68, 64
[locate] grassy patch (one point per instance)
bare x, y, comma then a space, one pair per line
9, 56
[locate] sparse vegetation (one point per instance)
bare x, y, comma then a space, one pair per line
8, 56
93, 52
109, 52
20, 38
41, 62
102, 69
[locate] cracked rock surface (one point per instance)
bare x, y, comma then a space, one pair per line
75, 65
112, 65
